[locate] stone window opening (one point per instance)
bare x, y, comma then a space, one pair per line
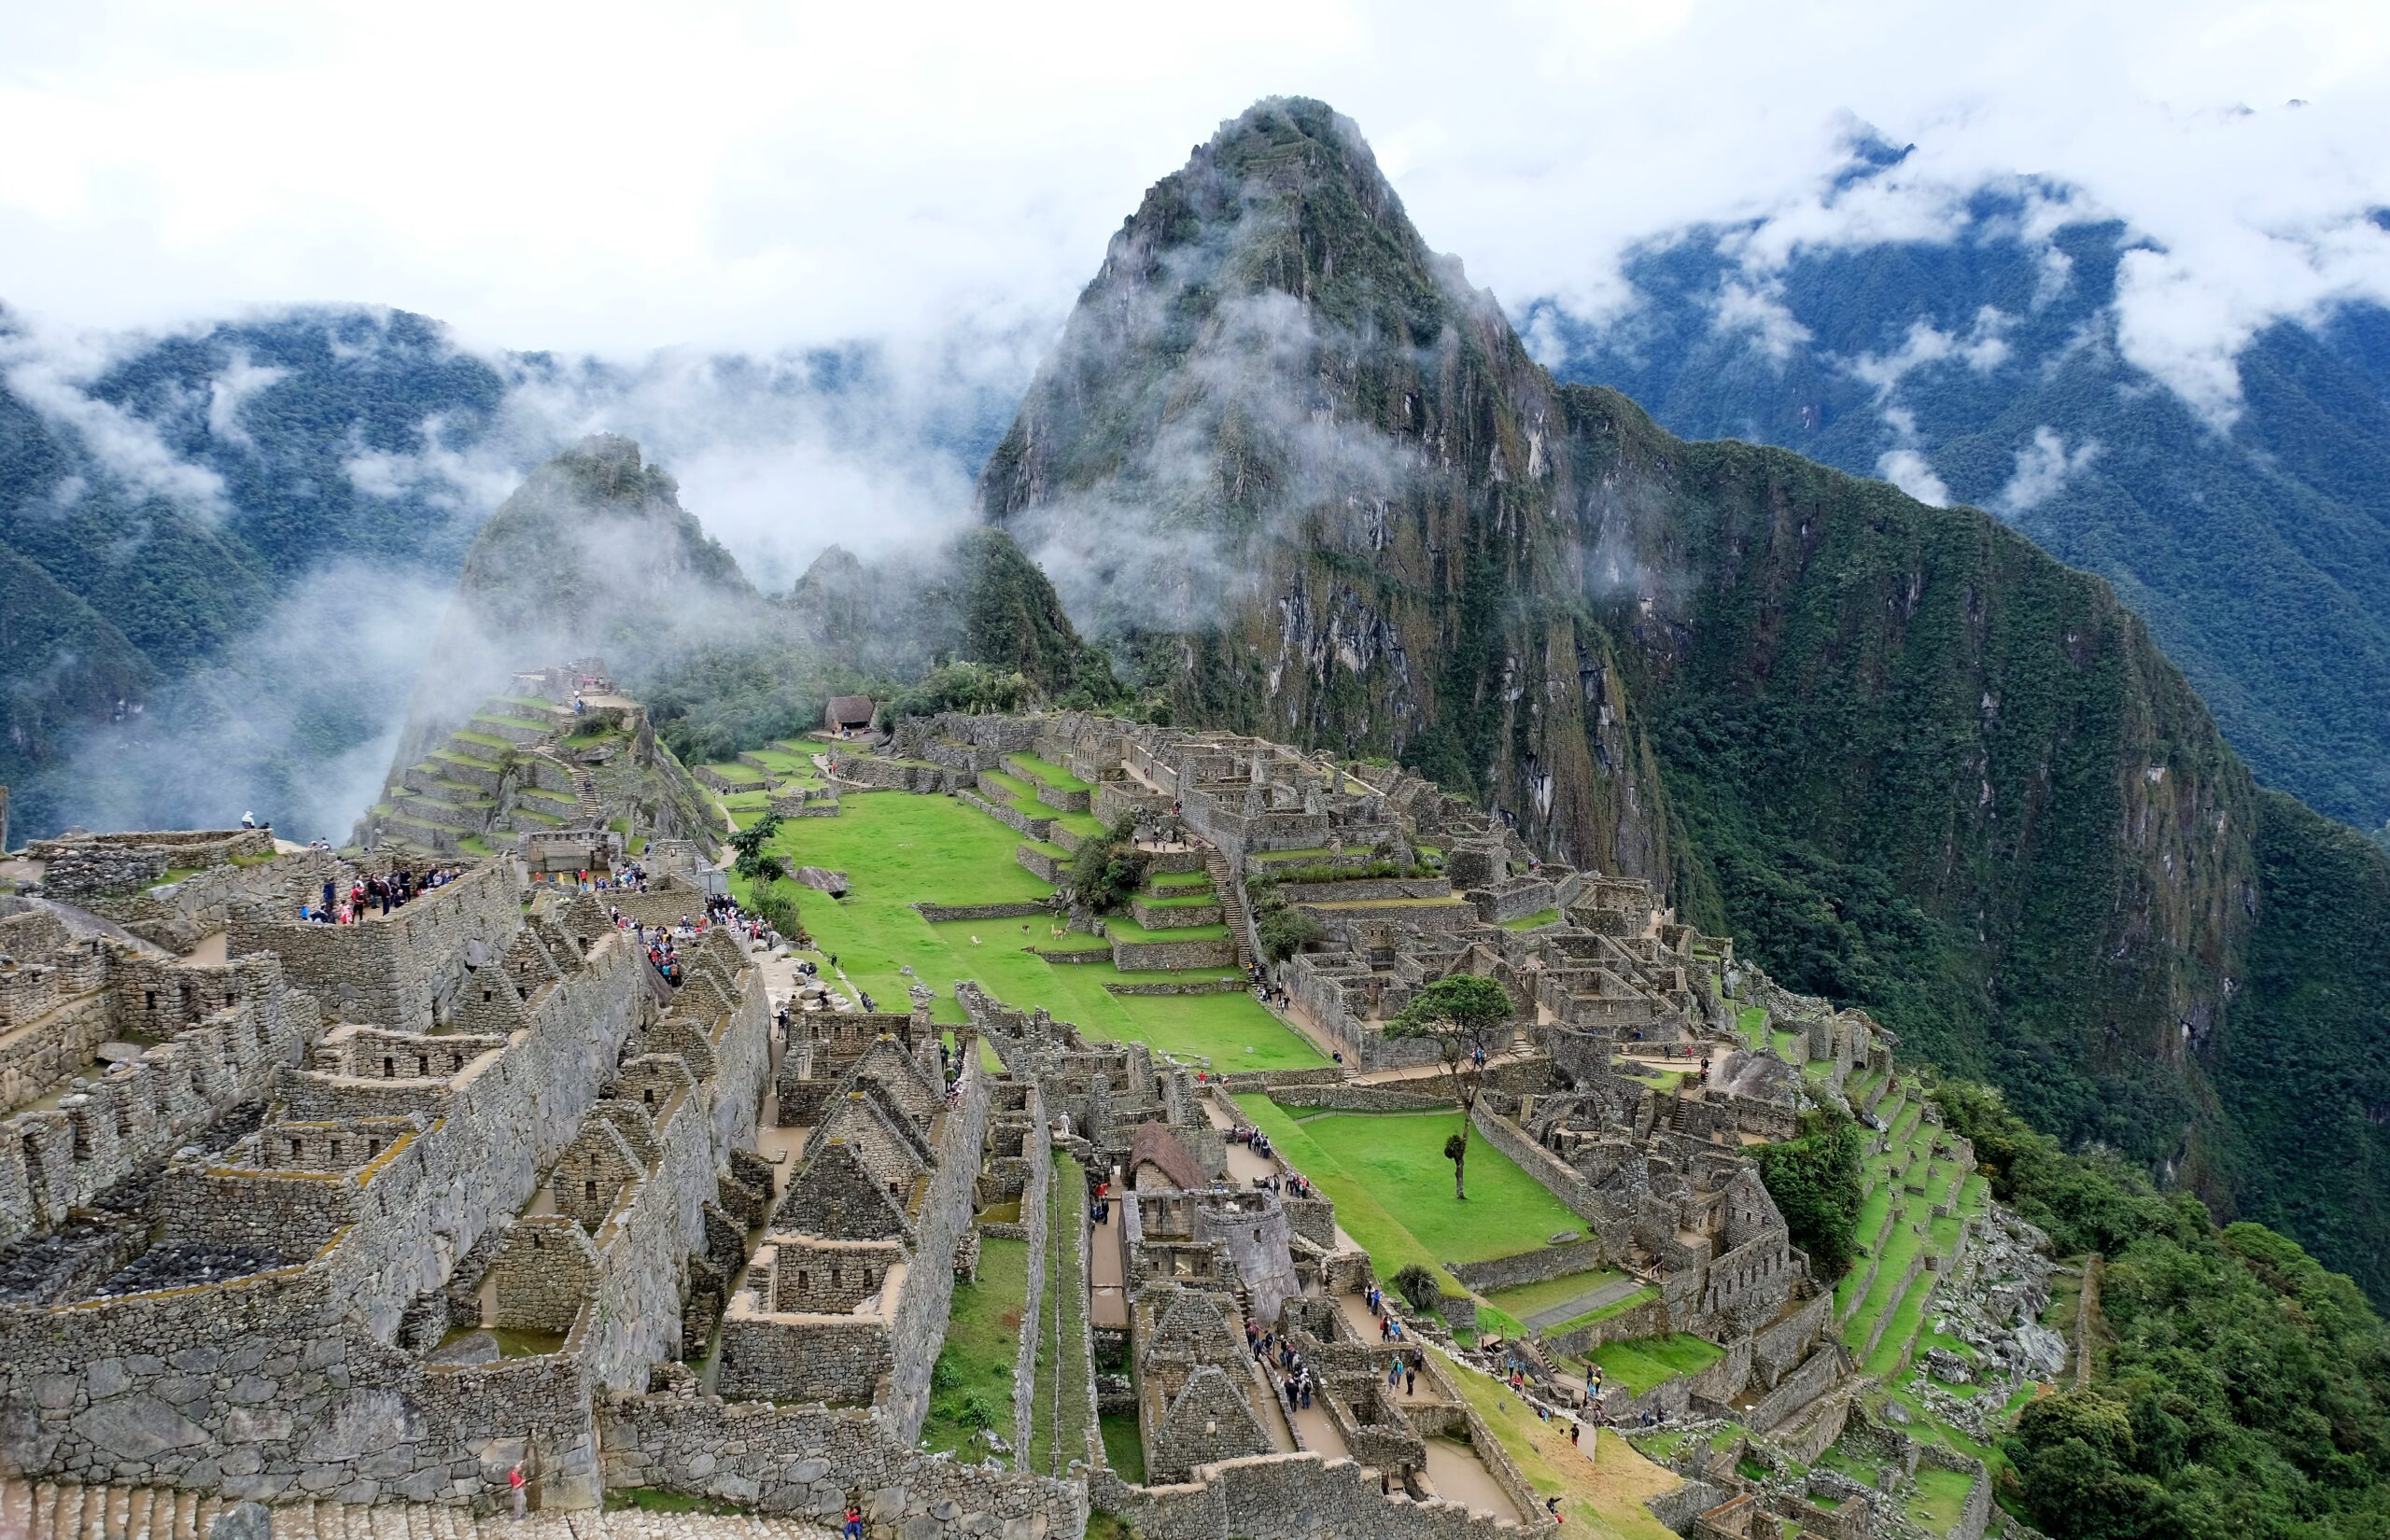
589, 1190
804, 1281
151, 998
335, 1149
296, 1148
836, 1279
373, 1148
423, 1064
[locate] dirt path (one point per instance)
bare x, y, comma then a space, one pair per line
1108, 1273
1459, 1476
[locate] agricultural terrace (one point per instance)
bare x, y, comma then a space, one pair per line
1393, 1186
898, 849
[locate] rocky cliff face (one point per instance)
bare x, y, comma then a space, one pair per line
1305, 479
1309, 482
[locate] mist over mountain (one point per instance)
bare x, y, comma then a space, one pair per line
2249, 528
227, 551
1305, 480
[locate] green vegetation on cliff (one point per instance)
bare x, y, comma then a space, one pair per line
2238, 1389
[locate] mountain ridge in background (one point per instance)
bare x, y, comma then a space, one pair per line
1989, 363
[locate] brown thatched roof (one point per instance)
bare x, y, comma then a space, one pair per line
1154, 1144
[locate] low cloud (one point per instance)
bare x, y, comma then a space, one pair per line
2043, 466
296, 722
1913, 473
1983, 348
1759, 310
1904, 463
53, 369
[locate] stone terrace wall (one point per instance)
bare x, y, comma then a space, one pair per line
935, 912
389, 970
1815, 1376
1038, 1225
918, 1329
810, 1461
1509, 1272
1349, 1097
89, 866
286, 1383
180, 917
1140, 956
1290, 1497
634, 1319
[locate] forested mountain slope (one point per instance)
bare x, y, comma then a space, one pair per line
2252, 537
1285, 460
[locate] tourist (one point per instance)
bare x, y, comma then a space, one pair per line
1573, 1426
248, 820
515, 1485
1411, 1380
853, 1530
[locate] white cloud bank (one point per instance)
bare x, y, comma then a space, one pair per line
743, 177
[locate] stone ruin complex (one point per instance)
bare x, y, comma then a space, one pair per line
369, 1215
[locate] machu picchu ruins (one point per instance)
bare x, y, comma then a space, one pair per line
509, 1139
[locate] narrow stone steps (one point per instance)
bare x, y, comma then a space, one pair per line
53, 1510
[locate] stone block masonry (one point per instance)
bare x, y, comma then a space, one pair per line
1159, 956
812, 1460
290, 1381
399, 970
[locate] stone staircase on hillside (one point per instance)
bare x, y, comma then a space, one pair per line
65, 1511
1232, 909
450, 795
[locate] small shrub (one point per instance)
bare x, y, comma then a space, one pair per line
1419, 1286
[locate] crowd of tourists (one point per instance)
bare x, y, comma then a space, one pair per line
369, 894
663, 942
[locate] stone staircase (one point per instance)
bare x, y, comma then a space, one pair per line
450, 795
1216, 866
65, 1511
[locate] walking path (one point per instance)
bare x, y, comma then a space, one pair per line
1107, 1275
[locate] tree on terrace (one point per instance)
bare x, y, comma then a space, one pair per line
1465, 1016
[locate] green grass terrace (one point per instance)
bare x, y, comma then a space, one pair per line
1393, 1186
897, 849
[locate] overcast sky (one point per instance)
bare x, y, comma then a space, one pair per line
615, 179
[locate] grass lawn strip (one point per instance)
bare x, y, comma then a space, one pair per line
971, 1386
1643, 1295
1048, 773
1528, 1299
1643, 1362
1603, 1497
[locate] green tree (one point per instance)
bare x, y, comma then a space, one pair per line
1106, 872
1818, 1181
749, 857
1465, 1016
